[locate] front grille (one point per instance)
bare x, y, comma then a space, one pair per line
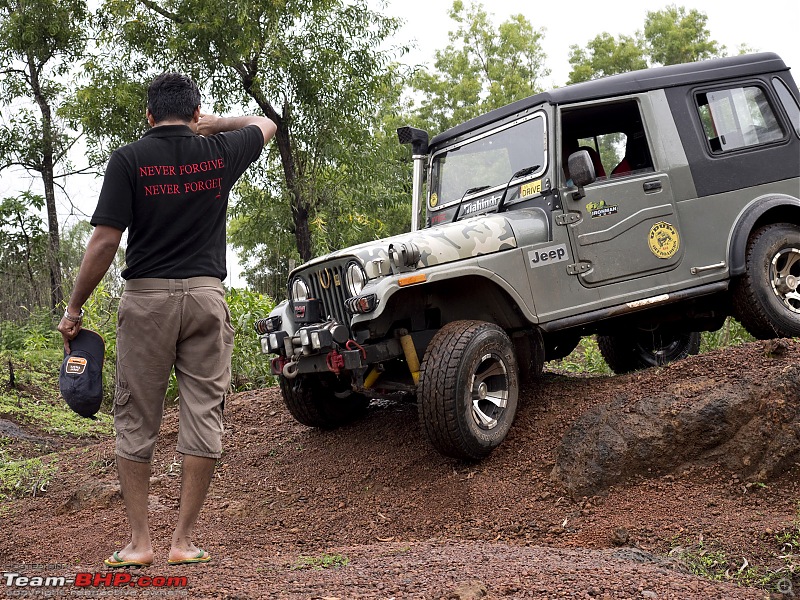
328, 285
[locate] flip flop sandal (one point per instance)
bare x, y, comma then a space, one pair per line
118, 562
202, 557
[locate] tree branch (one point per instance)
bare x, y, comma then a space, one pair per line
174, 17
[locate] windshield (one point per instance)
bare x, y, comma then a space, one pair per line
486, 162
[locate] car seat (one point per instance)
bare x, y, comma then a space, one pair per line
599, 171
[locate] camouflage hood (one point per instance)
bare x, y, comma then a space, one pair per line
436, 245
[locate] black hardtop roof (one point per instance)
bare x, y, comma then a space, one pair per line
628, 83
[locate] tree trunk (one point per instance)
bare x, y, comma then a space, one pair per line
300, 203
47, 168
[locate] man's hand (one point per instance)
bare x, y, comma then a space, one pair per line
208, 125
211, 124
69, 329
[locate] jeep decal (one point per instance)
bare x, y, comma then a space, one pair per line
548, 255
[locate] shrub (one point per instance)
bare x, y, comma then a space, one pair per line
250, 368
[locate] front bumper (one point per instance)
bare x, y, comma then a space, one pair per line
323, 347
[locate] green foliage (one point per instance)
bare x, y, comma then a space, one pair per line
24, 279
249, 367
709, 560
323, 561
108, 107
605, 56
24, 477
483, 67
586, 358
33, 336
671, 36
40, 41
74, 240
675, 36
732, 333
41, 30
319, 69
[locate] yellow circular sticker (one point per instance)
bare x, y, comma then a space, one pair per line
663, 240
434, 199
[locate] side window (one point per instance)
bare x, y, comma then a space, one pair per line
789, 103
737, 118
612, 134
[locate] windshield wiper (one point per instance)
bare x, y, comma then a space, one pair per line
520, 173
464, 195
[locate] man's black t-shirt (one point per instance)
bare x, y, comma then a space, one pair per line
170, 190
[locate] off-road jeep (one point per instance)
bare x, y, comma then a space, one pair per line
642, 208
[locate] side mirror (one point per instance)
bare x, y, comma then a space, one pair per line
581, 170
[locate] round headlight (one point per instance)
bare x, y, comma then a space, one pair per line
299, 289
355, 277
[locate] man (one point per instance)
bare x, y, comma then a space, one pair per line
170, 191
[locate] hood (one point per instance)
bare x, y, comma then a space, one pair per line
436, 245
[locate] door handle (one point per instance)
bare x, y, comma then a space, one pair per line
651, 186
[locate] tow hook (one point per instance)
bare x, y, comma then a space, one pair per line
290, 370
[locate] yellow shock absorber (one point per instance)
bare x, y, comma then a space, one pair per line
411, 356
371, 378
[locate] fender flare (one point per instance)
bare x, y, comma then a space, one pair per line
748, 219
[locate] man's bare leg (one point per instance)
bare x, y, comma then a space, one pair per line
196, 475
134, 482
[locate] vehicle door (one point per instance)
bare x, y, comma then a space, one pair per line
625, 225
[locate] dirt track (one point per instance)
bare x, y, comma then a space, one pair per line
388, 518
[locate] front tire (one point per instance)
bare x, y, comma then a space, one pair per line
644, 348
319, 401
766, 298
468, 389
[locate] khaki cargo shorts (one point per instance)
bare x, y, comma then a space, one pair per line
163, 323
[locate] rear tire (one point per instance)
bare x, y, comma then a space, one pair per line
642, 348
468, 389
766, 298
320, 401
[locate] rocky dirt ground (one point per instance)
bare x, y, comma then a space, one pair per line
370, 511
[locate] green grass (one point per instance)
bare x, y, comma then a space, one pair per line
708, 560
28, 477
34, 399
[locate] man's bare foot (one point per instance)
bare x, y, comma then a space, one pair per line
130, 557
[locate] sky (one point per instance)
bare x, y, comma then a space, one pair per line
771, 27
776, 28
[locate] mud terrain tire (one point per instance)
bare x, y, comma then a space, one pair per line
766, 298
315, 402
468, 389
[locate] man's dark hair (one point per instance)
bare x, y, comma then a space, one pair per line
172, 96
